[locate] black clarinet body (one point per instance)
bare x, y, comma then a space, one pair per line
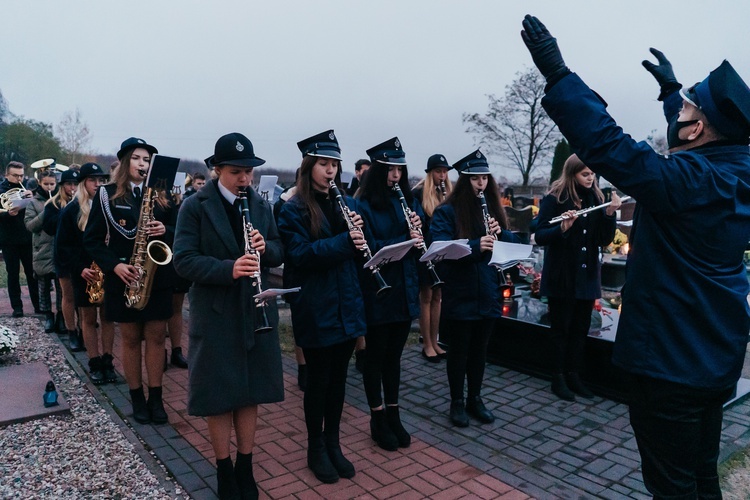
262, 324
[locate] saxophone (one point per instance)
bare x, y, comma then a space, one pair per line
146, 256
95, 290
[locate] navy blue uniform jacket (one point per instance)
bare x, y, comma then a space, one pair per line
472, 287
388, 227
571, 259
685, 316
329, 308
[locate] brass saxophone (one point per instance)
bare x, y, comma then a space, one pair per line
146, 256
95, 290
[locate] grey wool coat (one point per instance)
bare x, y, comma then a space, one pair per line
230, 366
41, 241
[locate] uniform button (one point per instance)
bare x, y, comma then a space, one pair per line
583, 266
584, 231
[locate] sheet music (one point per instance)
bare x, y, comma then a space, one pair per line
506, 255
275, 292
391, 253
446, 250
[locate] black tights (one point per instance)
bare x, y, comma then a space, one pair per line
326, 386
385, 343
570, 320
467, 355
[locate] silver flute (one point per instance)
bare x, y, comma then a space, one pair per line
560, 218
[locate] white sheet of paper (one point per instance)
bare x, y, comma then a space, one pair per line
275, 292
505, 255
266, 186
346, 178
179, 181
20, 203
391, 253
625, 223
446, 250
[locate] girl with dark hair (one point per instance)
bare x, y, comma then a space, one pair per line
323, 254
472, 294
110, 237
389, 317
571, 277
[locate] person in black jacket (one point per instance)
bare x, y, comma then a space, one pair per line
571, 277
15, 242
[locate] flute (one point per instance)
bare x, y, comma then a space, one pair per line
560, 218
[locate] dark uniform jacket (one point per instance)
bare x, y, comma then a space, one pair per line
388, 227
571, 259
230, 366
49, 226
72, 254
685, 316
329, 309
12, 228
472, 287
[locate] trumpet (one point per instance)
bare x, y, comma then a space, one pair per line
486, 218
560, 218
345, 212
436, 281
262, 324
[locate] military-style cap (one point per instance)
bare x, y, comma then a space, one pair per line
72, 175
89, 170
234, 149
725, 99
436, 161
134, 142
323, 144
473, 164
388, 152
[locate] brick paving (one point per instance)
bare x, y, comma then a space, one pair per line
539, 447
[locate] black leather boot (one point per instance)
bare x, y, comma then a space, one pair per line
156, 406
475, 407
459, 418
381, 431
319, 462
177, 358
560, 388
49, 322
108, 367
394, 422
343, 467
96, 374
140, 411
577, 386
75, 340
227, 482
243, 473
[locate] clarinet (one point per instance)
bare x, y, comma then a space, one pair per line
436, 281
486, 219
262, 325
443, 194
345, 212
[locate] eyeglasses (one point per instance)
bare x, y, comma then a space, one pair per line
16, 176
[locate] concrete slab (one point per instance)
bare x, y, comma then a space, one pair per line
21, 391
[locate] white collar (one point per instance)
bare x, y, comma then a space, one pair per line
134, 185
227, 194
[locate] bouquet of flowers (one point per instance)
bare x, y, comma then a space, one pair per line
8, 340
619, 240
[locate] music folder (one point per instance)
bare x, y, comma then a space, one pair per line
447, 250
506, 255
162, 172
267, 187
391, 253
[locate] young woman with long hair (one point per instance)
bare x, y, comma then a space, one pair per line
110, 236
472, 294
323, 255
431, 192
571, 276
389, 316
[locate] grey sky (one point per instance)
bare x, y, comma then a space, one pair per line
180, 73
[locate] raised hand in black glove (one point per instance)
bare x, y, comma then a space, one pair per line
543, 48
663, 73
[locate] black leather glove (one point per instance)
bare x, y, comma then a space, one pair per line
663, 73
543, 48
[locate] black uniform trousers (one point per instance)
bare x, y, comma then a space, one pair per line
14, 256
385, 344
570, 320
467, 355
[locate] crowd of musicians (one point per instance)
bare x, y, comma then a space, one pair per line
684, 361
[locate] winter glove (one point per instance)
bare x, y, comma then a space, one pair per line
663, 73
544, 51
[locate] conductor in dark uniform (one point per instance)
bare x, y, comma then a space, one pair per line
685, 317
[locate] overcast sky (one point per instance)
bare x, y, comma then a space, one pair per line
181, 73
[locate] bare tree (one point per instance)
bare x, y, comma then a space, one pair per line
74, 135
516, 127
658, 142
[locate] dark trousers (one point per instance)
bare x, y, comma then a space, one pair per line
467, 355
326, 385
385, 344
45, 289
14, 256
570, 320
678, 431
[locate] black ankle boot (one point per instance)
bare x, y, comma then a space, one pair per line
156, 406
343, 467
319, 462
178, 359
577, 386
458, 415
96, 374
75, 340
49, 322
560, 388
394, 422
243, 473
108, 367
381, 431
475, 407
140, 411
227, 482
302, 377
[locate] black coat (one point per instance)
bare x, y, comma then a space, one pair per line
12, 228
